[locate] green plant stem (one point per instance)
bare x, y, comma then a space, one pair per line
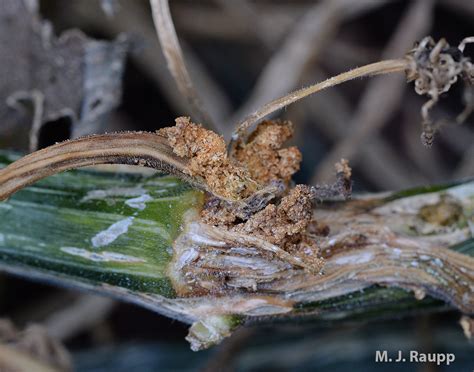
114, 233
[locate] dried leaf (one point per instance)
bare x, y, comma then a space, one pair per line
70, 76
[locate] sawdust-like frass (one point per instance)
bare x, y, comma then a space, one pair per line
285, 219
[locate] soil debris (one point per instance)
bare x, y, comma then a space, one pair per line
263, 156
286, 224
208, 159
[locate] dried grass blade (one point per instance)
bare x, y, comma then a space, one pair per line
377, 68
133, 148
175, 59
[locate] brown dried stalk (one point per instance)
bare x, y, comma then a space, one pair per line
433, 67
401, 243
174, 57
133, 148
220, 272
220, 177
384, 93
377, 68
368, 244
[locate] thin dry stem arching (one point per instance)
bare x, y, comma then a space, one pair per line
187, 150
377, 68
133, 148
306, 40
175, 59
434, 67
383, 93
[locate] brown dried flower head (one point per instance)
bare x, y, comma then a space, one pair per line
435, 67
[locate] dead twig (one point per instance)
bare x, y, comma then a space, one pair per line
175, 59
383, 166
384, 95
377, 68
86, 312
308, 38
135, 148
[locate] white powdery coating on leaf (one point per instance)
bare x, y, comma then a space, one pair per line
2, 238
116, 191
113, 232
101, 256
139, 202
353, 259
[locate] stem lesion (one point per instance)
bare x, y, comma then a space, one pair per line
257, 231
366, 244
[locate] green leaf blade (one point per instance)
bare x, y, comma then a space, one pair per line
97, 227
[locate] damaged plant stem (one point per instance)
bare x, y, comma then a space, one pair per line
202, 259
238, 241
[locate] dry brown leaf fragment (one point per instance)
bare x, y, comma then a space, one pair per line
46, 77
435, 67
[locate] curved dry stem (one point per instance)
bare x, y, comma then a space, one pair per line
133, 148
377, 68
174, 57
